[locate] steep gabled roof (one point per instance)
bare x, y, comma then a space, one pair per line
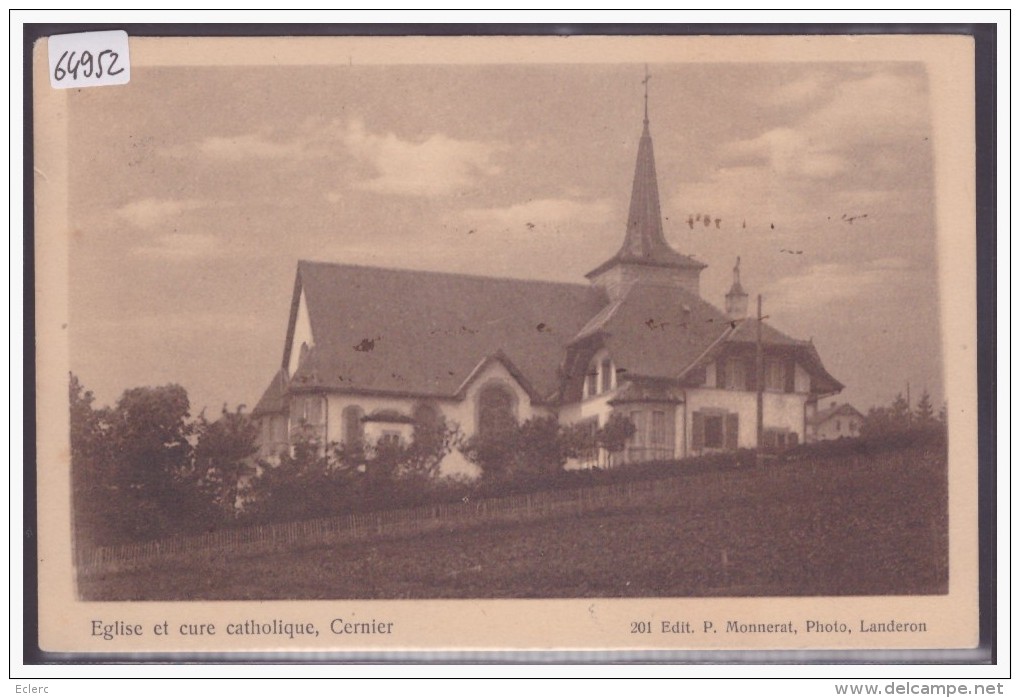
745, 334
656, 331
644, 242
424, 333
665, 333
272, 400
746, 331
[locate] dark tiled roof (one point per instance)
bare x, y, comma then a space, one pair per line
745, 333
424, 333
644, 242
272, 400
657, 332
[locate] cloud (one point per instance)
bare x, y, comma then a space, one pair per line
539, 213
435, 165
149, 212
849, 146
250, 145
179, 247
438, 165
881, 108
838, 282
798, 92
787, 151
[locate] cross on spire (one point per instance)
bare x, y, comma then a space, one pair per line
644, 82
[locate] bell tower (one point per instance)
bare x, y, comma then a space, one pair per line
645, 257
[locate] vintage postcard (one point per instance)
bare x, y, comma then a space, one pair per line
365, 345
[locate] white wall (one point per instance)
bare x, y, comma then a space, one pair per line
779, 411
801, 380
302, 335
597, 406
849, 426
461, 413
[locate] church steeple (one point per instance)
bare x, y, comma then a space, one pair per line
645, 256
736, 299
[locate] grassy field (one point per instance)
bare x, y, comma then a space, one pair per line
874, 527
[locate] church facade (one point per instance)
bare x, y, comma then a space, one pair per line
371, 352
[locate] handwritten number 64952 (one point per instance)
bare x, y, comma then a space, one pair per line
88, 64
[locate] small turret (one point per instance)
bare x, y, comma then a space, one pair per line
736, 298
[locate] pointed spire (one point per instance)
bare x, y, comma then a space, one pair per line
736, 288
736, 299
644, 242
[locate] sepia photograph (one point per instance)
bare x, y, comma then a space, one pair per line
657, 328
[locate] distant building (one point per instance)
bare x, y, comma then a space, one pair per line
371, 352
836, 421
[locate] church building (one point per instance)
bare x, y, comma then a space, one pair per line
371, 352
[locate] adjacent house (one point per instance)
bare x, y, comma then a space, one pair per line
837, 421
369, 352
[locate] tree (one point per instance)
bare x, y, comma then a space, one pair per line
494, 450
615, 433
152, 485
924, 414
149, 433
224, 458
434, 438
541, 447
899, 413
887, 420
88, 437
89, 472
305, 484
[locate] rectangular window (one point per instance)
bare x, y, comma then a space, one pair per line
313, 407
658, 429
591, 383
389, 438
736, 374
637, 419
775, 379
607, 375
713, 431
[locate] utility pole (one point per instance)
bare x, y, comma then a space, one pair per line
760, 383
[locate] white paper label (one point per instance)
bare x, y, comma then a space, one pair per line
91, 59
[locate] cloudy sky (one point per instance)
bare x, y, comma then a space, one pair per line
191, 208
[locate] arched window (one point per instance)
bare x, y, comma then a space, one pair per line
354, 428
495, 410
601, 376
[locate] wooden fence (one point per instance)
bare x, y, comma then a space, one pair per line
266, 538
379, 524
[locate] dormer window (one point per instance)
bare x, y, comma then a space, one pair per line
601, 376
